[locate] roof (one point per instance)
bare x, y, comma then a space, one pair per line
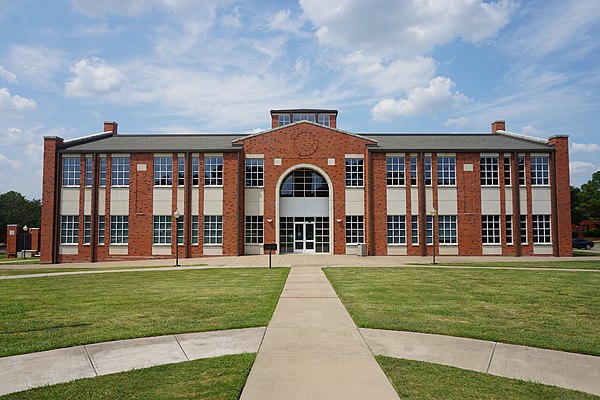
304, 111
453, 142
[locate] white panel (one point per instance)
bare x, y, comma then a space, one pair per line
195, 197
508, 203
352, 249
69, 201
141, 167
494, 250
541, 202
213, 155
162, 201
161, 250
490, 201
429, 198
277, 161
213, 250
447, 201
468, 167
255, 156
355, 156
253, 249
118, 250
302, 207
213, 201
542, 249
331, 161
448, 250
523, 200
355, 201
254, 201
87, 201
414, 200
446, 154
396, 250
68, 249
102, 201
119, 201
181, 199
396, 201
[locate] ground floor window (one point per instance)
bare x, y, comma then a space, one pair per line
508, 227
87, 228
523, 228
490, 229
161, 232
213, 229
119, 229
396, 229
254, 229
180, 224
194, 229
541, 229
414, 229
355, 229
429, 229
447, 229
101, 229
69, 229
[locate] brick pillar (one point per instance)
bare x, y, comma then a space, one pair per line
379, 203
12, 233
50, 198
561, 195
232, 220
35, 239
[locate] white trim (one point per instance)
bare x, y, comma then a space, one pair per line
332, 222
208, 155
354, 156
255, 156
395, 154
521, 136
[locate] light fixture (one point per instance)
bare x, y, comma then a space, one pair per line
339, 220
269, 220
25, 228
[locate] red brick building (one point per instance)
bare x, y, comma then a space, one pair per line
307, 186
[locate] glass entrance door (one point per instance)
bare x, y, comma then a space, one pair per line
304, 237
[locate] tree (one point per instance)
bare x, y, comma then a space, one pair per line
585, 202
576, 214
16, 209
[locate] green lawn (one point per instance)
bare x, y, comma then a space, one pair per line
565, 264
415, 380
583, 253
548, 309
28, 270
46, 313
209, 379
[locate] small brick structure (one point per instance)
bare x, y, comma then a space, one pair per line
18, 238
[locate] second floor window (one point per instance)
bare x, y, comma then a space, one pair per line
163, 171
254, 172
195, 171
395, 171
102, 171
120, 171
446, 169
354, 172
488, 171
323, 119
70, 171
88, 171
213, 171
180, 171
283, 119
413, 171
539, 171
507, 169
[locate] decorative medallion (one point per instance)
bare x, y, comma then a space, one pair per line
305, 144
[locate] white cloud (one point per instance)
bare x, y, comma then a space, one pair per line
10, 105
7, 75
34, 152
531, 130
135, 8
14, 164
581, 167
232, 19
460, 121
35, 64
584, 147
440, 95
93, 77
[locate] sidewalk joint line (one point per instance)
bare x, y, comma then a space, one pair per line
487, 371
181, 347
89, 357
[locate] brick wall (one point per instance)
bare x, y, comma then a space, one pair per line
49, 199
563, 196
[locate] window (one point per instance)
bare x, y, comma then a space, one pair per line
87, 229
304, 182
102, 171
395, 171
396, 229
539, 171
488, 171
119, 229
69, 229
447, 229
70, 171
254, 229
213, 171
427, 171
120, 171
523, 228
88, 171
446, 171
413, 171
507, 167
213, 229
522, 171
180, 223
429, 229
324, 119
304, 117
195, 171
414, 229
322, 234
254, 172
508, 228
490, 229
161, 232
354, 171
163, 171
283, 119
541, 229
194, 229
101, 229
355, 229
180, 171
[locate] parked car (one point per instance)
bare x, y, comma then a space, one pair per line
582, 244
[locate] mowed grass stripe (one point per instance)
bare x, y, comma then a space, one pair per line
547, 309
47, 313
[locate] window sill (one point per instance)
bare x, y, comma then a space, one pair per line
119, 186
397, 244
69, 244
161, 244
213, 186
213, 244
119, 244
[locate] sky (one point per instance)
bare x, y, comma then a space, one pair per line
219, 66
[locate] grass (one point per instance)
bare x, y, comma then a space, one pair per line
563, 264
582, 253
415, 380
46, 313
547, 309
210, 379
26, 271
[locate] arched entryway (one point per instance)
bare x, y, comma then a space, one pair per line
304, 211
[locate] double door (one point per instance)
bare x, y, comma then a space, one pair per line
304, 237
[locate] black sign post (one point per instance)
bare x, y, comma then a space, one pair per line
271, 247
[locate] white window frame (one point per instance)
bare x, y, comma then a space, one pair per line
446, 171
540, 170
119, 229
87, 229
213, 229
447, 230
161, 229
414, 175
255, 172
195, 171
283, 119
69, 229
88, 171
180, 170
396, 229
102, 171
355, 229
523, 229
254, 229
542, 228
213, 171
355, 172
489, 170
414, 230
71, 171
428, 171
324, 119
101, 229
195, 231
507, 171
120, 171
395, 171
508, 230
163, 171
490, 229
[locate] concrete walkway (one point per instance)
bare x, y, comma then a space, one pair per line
27, 371
313, 350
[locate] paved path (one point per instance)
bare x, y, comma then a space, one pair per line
313, 350
63, 365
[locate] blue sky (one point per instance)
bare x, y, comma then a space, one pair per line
219, 66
